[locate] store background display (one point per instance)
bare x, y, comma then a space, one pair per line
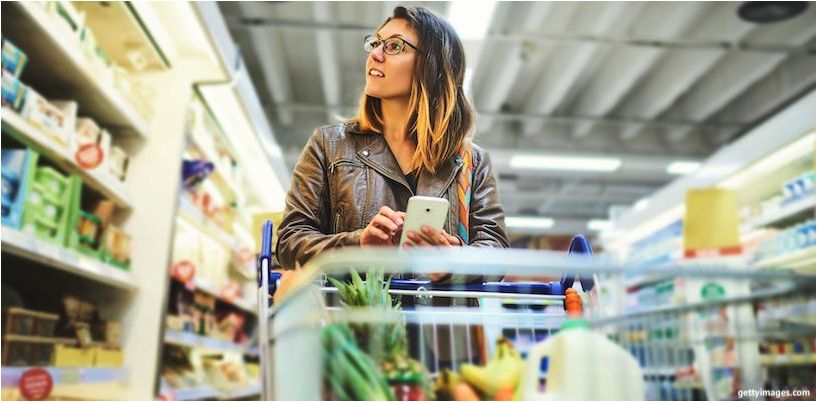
132, 275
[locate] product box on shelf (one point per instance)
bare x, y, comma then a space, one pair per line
107, 332
71, 356
47, 213
107, 357
68, 17
69, 109
13, 92
27, 351
118, 163
116, 247
49, 118
19, 321
100, 64
91, 145
14, 59
17, 167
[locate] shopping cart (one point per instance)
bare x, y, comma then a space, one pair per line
723, 333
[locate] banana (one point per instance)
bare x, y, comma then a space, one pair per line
446, 383
478, 377
503, 371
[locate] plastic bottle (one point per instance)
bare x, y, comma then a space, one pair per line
582, 364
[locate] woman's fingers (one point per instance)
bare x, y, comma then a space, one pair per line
434, 237
374, 230
385, 224
391, 214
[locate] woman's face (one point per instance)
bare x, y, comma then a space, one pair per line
397, 70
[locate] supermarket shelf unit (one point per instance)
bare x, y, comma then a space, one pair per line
59, 64
192, 340
33, 136
797, 208
28, 246
211, 271
145, 202
756, 175
68, 375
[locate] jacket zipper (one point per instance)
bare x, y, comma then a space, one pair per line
337, 222
342, 162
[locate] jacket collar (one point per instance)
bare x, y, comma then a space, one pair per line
376, 154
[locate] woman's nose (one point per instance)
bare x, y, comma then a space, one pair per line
377, 53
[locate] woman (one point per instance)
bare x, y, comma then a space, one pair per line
352, 183
353, 180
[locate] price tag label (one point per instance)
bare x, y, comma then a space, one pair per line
36, 384
89, 156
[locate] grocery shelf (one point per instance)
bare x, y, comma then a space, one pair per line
57, 66
218, 178
189, 394
28, 133
795, 359
205, 287
207, 392
801, 259
189, 213
240, 393
28, 246
786, 214
68, 375
644, 281
193, 340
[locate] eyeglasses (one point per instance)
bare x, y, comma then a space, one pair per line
391, 46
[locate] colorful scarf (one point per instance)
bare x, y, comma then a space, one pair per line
464, 189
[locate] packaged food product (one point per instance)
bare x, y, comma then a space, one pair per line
118, 162
14, 59
13, 92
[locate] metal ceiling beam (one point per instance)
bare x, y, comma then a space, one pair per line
246, 22
327, 60
728, 79
268, 45
561, 78
505, 116
675, 74
625, 68
494, 92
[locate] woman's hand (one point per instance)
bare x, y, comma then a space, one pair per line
384, 229
428, 237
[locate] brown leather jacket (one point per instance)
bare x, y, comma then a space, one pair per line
344, 176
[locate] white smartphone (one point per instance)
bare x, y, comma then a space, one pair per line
422, 210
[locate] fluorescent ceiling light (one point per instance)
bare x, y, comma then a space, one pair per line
523, 222
599, 225
585, 164
683, 167
641, 204
471, 18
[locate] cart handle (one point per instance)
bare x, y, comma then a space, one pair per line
579, 247
538, 288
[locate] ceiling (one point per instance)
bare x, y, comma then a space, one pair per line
646, 82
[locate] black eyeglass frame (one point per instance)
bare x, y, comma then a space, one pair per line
383, 42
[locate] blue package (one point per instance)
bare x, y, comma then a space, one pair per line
14, 60
802, 235
13, 91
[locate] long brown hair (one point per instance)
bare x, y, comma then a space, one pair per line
440, 116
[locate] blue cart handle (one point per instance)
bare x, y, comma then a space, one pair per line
536, 288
